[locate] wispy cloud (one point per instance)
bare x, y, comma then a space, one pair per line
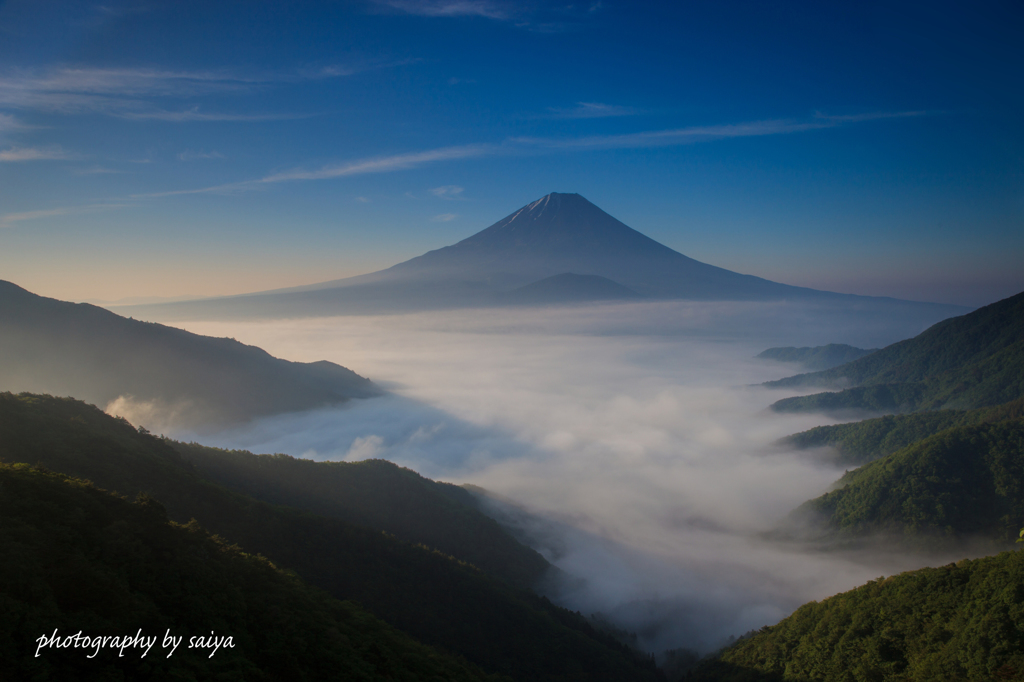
380, 164
10, 219
8, 122
677, 136
190, 155
447, 191
95, 170
590, 110
34, 154
450, 8
142, 93
538, 145
78, 87
444, 217
384, 164
194, 114
530, 16
873, 116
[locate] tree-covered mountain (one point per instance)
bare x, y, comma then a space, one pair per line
434, 597
52, 346
377, 494
964, 621
966, 482
77, 559
858, 443
816, 357
975, 360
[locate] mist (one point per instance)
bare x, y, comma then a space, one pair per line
628, 443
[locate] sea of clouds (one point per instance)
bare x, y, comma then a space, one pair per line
628, 443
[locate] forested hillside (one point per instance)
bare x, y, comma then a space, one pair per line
861, 442
80, 560
437, 599
51, 346
963, 482
975, 360
964, 621
376, 494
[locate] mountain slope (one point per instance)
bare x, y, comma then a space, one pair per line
861, 442
51, 346
557, 234
376, 494
964, 621
570, 288
818, 357
566, 233
975, 360
433, 597
78, 559
963, 482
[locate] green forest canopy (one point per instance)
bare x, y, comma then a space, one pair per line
961, 622
432, 596
80, 560
965, 481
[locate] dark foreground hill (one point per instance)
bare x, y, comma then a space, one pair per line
52, 346
963, 483
818, 357
376, 494
976, 360
80, 560
964, 621
552, 237
433, 597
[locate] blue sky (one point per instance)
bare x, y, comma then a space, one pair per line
196, 148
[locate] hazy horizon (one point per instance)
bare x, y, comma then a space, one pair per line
153, 149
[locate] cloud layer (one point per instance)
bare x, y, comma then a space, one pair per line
624, 442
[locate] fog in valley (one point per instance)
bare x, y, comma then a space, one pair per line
628, 443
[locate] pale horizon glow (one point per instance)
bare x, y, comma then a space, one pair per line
141, 158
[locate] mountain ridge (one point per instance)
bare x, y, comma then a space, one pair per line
556, 234
435, 598
52, 346
970, 361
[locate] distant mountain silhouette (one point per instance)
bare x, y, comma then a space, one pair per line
51, 346
555, 235
816, 358
975, 360
569, 287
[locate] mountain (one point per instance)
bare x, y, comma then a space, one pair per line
51, 346
816, 358
558, 235
436, 598
975, 360
964, 482
562, 233
78, 559
957, 622
861, 442
570, 288
377, 494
